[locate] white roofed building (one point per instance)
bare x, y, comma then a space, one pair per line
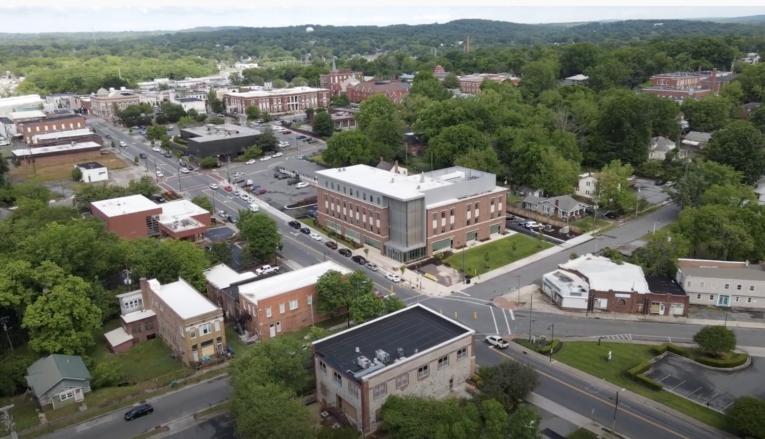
278, 101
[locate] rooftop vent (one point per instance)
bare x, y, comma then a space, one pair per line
400, 352
363, 362
382, 356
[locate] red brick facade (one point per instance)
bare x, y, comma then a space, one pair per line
338, 209
50, 125
395, 91
333, 79
63, 157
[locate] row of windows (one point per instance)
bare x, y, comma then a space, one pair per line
137, 328
725, 286
203, 329
293, 306
353, 192
735, 298
63, 127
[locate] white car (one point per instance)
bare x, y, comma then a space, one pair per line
160, 174
531, 225
123, 144
393, 277
169, 127
496, 341
301, 185
278, 154
156, 149
265, 157
222, 213
244, 196
238, 174
266, 269
283, 144
250, 162
213, 186
184, 171
315, 236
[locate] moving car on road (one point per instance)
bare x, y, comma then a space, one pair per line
184, 171
142, 155
278, 154
305, 230
301, 137
393, 277
496, 341
294, 224
123, 144
250, 162
260, 192
301, 185
265, 158
213, 186
138, 411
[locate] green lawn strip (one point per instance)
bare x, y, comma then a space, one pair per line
337, 238
591, 358
500, 254
582, 433
316, 158
148, 360
214, 410
586, 224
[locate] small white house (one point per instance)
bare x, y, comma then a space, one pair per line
93, 172
566, 289
585, 187
576, 80
661, 146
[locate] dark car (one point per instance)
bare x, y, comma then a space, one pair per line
312, 213
282, 177
239, 180
359, 260
293, 181
300, 137
331, 244
287, 132
277, 174
612, 214
345, 252
138, 411
305, 230
313, 141
260, 192
142, 155
661, 182
294, 224
189, 167
167, 155
159, 198
108, 136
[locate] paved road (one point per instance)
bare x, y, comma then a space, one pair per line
184, 402
219, 427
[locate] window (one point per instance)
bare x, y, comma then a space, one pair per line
451, 212
402, 380
337, 378
468, 221
268, 312
378, 415
193, 332
323, 367
65, 396
477, 205
443, 362
353, 389
621, 302
205, 329
149, 326
443, 214
435, 231
751, 288
711, 297
690, 283
435, 217
727, 286
278, 326
738, 287
380, 390
182, 332
737, 298
748, 300
468, 208
310, 300
136, 329
423, 372
462, 354
217, 325
698, 296
281, 308
293, 305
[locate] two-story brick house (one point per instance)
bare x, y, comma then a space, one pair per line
722, 283
414, 351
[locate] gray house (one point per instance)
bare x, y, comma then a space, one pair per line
661, 146
697, 139
564, 206
59, 380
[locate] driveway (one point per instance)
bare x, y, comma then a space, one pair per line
650, 192
705, 386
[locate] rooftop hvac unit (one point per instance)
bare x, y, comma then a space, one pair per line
400, 352
382, 356
363, 362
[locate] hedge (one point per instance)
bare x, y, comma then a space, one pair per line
545, 350
735, 360
677, 350
180, 140
636, 373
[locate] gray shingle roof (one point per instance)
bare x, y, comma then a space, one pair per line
662, 144
47, 372
565, 202
696, 136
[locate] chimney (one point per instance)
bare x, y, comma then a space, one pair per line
145, 294
714, 80
467, 44
395, 166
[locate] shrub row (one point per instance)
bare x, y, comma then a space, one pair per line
636, 373
180, 140
555, 346
675, 349
735, 360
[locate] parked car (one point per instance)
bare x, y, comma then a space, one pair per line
189, 167
496, 341
239, 180
345, 252
315, 236
301, 185
531, 225
312, 213
138, 411
278, 154
260, 192
277, 174
313, 140
169, 127
156, 149
184, 171
250, 162
359, 259
123, 144
167, 155
222, 213
393, 277
266, 269
264, 158
305, 230
661, 182
331, 244
159, 198
293, 181
284, 144
159, 173
142, 155
282, 177
301, 137
371, 266
294, 224
287, 132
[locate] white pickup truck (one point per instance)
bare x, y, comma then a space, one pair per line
266, 269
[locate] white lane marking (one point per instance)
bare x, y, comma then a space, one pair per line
664, 378
496, 328
506, 322
680, 385
512, 316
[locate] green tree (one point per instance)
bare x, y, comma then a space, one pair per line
209, 162
76, 174
425, 84
393, 303
262, 236
739, 145
155, 132
203, 202
577, 58
623, 131
543, 167
252, 112
663, 115
708, 114
387, 136
716, 232
607, 73
348, 148
187, 121
323, 124
299, 81
451, 81
508, 382
366, 307
524, 424
251, 153
375, 107
340, 101
482, 159
216, 105
758, 119
659, 256
264, 410
265, 116
106, 374
716, 340
413, 417
220, 253
612, 187
279, 360
453, 141
173, 112
317, 333
279, 83
539, 76
166, 261
747, 417
267, 140
192, 113
701, 175
216, 120
332, 292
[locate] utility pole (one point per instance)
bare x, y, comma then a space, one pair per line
531, 315
180, 188
4, 322
552, 339
7, 419
214, 210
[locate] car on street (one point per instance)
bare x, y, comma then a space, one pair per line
661, 182
159, 173
169, 127
371, 266
222, 213
244, 196
312, 214
293, 181
359, 259
228, 188
331, 244
531, 225
167, 155
266, 269
312, 140
284, 144
283, 177
294, 224
301, 137
250, 162
301, 185
278, 154
184, 171
496, 341
305, 230
393, 277
345, 252
213, 186
189, 167
239, 180
138, 411
123, 144
277, 174
315, 236
260, 192
287, 132
156, 149
142, 155
108, 136
265, 158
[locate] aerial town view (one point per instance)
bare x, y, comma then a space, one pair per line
397, 221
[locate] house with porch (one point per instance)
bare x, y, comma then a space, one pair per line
563, 206
58, 380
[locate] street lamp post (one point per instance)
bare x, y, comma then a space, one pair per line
654, 227
180, 188
531, 315
616, 410
519, 289
552, 339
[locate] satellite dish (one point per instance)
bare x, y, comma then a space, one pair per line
309, 29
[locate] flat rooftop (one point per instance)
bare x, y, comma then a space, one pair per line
27, 115
291, 281
90, 165
754, 272
62, 134
22, 152
399, 186
211, 133
222, 276
184, 299
603, 274
188, 100
276, 92
664, 285
415, 330
179, 214
125, 205
568, 283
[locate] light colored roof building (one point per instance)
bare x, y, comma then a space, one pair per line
275, 92
184, 299
284, 283
23, 115
222, 276
55, 149
603, 274
61, 135
180, 214
125, 205
696, 138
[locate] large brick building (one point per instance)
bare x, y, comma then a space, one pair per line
270, 306
55, 154
471, 84
409, 217
50, 124
411, 352
284, 100
680, 86
393, 90
338, 80
104, 103
136, 216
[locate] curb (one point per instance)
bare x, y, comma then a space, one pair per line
633, 396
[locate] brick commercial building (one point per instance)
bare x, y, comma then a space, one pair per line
136, 216
472, 83
338, 80
597, 284
63, 137
56, 154
51, 124
409, 217
414, 351
103, 103
679, 86
393, 90
271, 306
284, 100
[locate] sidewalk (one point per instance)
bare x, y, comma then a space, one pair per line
567, 415
531, 295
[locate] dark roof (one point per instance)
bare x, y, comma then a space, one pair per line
188, 100
413, 329
385, 166
752, 105
6, 120
664, 285
90, 165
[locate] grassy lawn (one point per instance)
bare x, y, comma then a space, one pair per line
62, 171
583, 434
316, 158
586, 223
326, 324
500, 254
591, 358
512, 198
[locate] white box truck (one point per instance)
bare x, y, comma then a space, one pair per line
254, 207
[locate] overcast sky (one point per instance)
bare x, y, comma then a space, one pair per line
74, 18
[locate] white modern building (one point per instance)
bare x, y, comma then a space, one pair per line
20, 103
192, 104
92, 172
576, 80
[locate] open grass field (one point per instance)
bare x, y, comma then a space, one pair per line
62, 171
499, 253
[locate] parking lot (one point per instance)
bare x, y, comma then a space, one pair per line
717, 389
516, 224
